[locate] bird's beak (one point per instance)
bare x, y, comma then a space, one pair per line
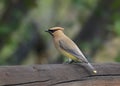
47, 31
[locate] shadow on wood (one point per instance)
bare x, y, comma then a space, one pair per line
60, 75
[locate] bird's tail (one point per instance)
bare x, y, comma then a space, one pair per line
91, 67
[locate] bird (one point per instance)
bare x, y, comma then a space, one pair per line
67, 47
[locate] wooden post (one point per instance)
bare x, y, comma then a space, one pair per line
60, 75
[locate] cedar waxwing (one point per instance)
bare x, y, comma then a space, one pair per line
67, 47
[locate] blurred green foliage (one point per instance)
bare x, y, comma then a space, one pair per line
23, 22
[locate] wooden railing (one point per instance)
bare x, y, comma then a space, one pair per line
60, 75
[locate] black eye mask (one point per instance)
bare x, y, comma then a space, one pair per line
52, 31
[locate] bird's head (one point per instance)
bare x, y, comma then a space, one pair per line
53, 30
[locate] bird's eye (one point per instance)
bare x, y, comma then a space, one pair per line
52, 31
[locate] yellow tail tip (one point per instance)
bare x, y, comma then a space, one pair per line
94, 71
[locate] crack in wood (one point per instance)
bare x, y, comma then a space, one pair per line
67, 81
84, 78
104, 75
25, 83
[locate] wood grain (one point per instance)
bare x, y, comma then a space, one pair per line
60, 75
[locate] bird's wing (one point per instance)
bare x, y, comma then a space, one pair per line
72, 50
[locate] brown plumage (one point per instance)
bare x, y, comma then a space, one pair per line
67, 47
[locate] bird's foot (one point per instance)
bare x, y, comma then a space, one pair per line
69, 62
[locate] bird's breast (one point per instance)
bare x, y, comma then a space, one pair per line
63, 52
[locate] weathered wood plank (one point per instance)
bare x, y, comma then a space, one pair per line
60, 75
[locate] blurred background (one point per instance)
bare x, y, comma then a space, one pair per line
94, 25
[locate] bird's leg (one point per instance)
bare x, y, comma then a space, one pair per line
70, 61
